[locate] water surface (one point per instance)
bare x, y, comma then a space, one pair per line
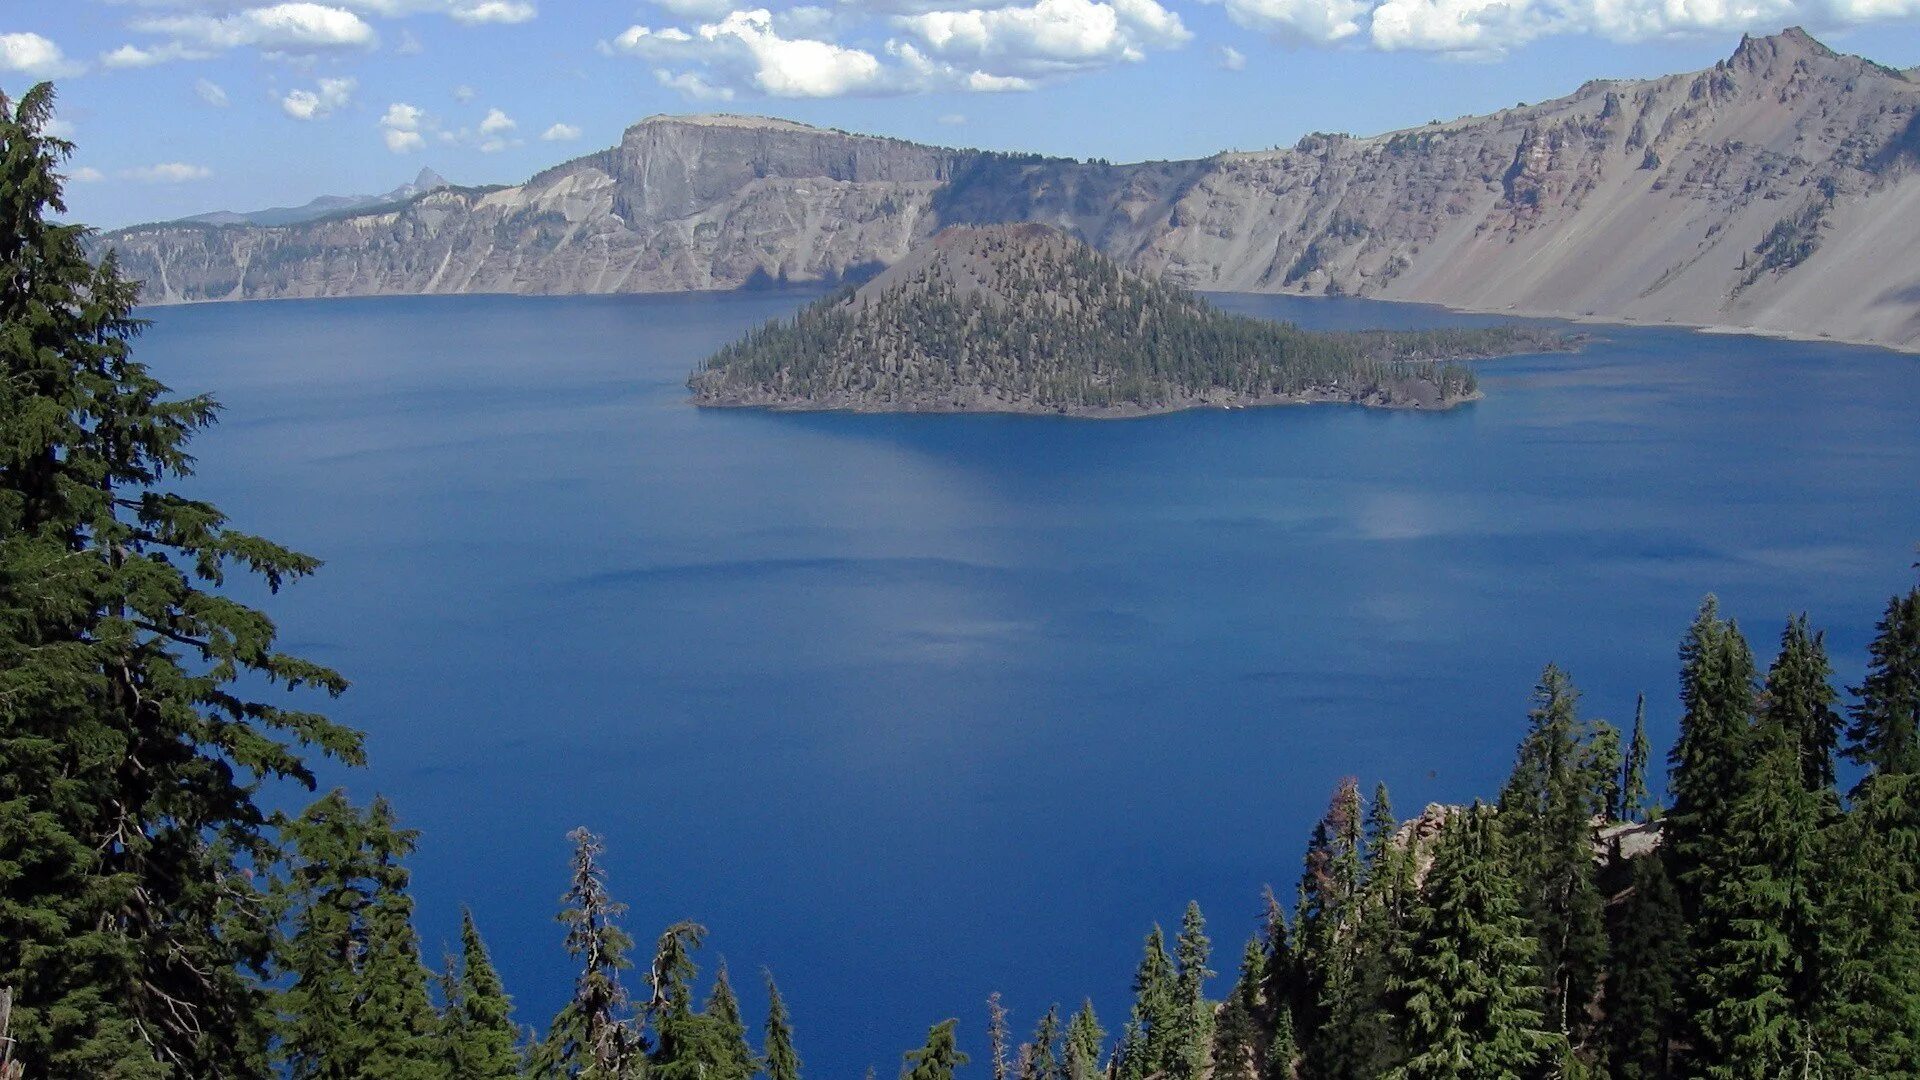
913, 708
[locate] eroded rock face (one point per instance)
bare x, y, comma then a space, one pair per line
1778, 190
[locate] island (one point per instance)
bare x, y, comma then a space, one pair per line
1022, 318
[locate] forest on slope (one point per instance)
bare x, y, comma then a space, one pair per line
158, 920
1021, 318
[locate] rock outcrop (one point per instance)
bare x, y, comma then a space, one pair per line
1777, 191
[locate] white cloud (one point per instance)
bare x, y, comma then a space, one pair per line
409, 45
35, 56
1049, 37
464, 94
745, 45
401, 127
496, 122
493, 11
953, 119
210, 92
297, 26
1490, 27
168, 172
317, 104
1230, 58
560, 133
85, 174
58, 128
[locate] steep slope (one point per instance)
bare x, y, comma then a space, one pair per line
1023, 318
1776, 191
323, 206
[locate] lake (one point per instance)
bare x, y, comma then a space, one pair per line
913, 708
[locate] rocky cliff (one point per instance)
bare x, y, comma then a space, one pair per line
1777, 191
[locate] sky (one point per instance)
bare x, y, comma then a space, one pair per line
184, 106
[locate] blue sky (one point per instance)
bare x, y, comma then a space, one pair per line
183, 106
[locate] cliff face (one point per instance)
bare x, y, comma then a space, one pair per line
1778, 190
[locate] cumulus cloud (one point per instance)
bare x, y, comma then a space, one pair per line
560, 133
496, 122
35, 56
1048, 37
211, 93
168, 172
1490, 27
318, 103
744, 46
401, 127
294, 27
493, 11
85, 174
1230, 58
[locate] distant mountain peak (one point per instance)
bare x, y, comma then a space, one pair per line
428, 180
1789, 46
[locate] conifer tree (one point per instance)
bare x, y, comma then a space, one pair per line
1325, 928
783, 1062
1469, 991
1283, 1052
593, 1036
392, 1024
324, 901
1043, 1060
1635, 801
997, 1035
1085, 1040
690, 1045
1149, 1045
480, 1037
134, 738
1236, 1040
1885, 733
723, 1008
938, 1058
1800, 698
1716, 695
1546, 816
1646, 974
1866, 1019
1192, 1033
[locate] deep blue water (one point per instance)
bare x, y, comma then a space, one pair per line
913, 708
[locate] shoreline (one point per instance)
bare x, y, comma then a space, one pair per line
1073, 412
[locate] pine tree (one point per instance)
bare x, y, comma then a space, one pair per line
1043, 1061
392, 1023
690, 1045
592, 1037
1800, 697
1192, 1032
724, 1010
133, 739
997, 1035
938, 1058
1149, 1045
1469, 991
1885, 733
1085, 1040
324, 901
480, 1037
1236, 1038
783, 1062
1867, 1016
1635, 802
1646, 974
1325, 929
1716, 695
1546, 815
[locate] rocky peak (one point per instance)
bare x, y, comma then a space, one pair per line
1777, 56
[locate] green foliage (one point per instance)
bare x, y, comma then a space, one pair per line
1042, 1057
1085, 1040
479, 1034
782, 1061
593, 1037
938, 1058
133, 737
1065, 328
1192, 1027
1148, 1047
1467, 983
1636, 804
1646, 975
1800, 698
1885, 733
1867, 1013
1236, 1036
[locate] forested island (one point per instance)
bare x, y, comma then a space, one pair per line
1022, 318
159, 920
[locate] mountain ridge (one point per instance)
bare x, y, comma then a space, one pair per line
1773, 192
320, 206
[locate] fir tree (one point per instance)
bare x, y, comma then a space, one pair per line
1885, 733
1635, 801
1325, 928
480, 1037
1800, 698
324, 900
690, 1045
997, 1035
723, 1008
783, 1062
1546, 814
1468, 988
1236, 1040
1192, 1032
1043, 1061
133, 740
592, 1037
1149, 1045
938, 1058
1646, 974
392, 1022
1867, 1016
1717, 698
1084, 1042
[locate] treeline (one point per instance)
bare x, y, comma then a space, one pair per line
1061, 326
159, 922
